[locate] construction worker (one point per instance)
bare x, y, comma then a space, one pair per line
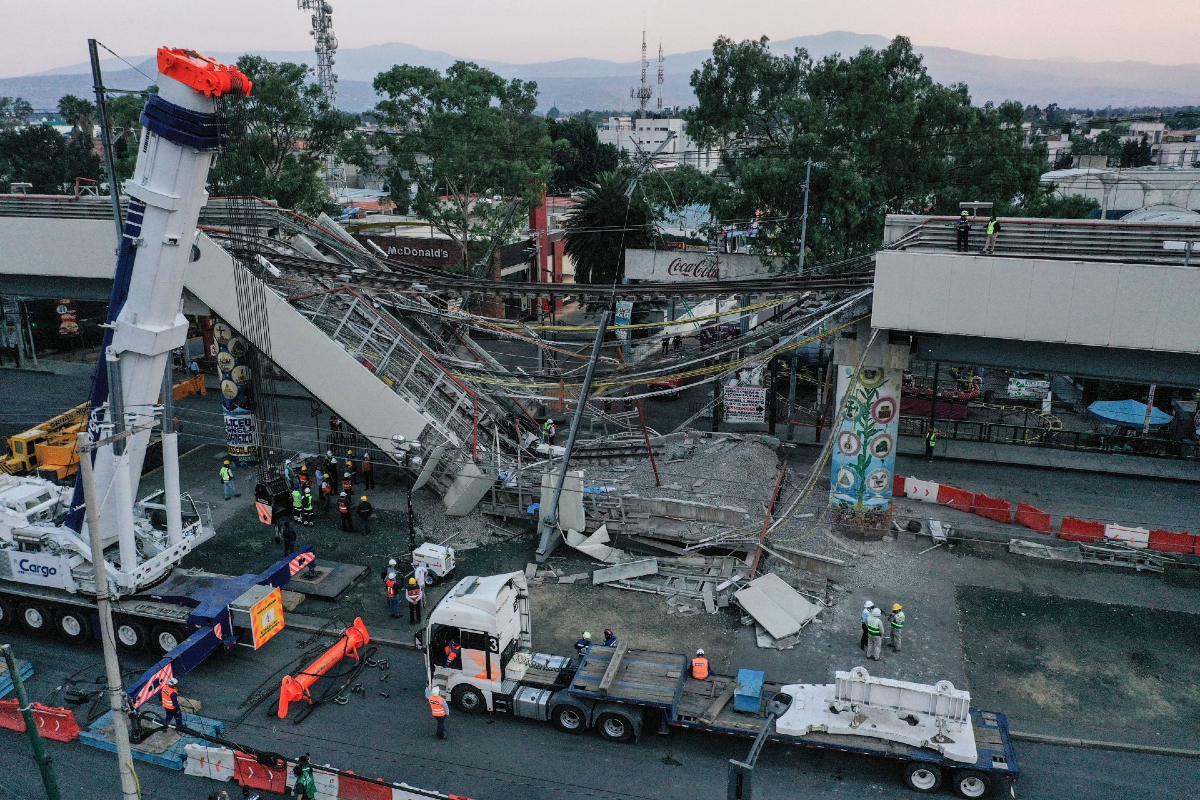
325, 491
583, 644
700, 666
421, 573
306, 784
297, 503
439, 709
368, 472
677, 343
288, 537
344, 510
993, 233
453, 655
866, 614
666, 345
302, 477
930, 442
306, 508
335, 424
610, 638
364, 512
393, 595
896, 619
227, 484
170, 704
415, 595
391, 567
347, 483
874, 634
549, 429
331, 465
962, 230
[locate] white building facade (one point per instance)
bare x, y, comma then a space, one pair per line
646, 135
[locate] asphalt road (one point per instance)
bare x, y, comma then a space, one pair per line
501, 758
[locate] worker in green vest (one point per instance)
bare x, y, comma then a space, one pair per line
306, 508
227, 484
874, 634
993, 233
930, 442
297, 502
896, 620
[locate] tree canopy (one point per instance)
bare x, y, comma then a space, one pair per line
279, 136
582, 158
882, 135
602, 224
456, 141
13, 112
42, 156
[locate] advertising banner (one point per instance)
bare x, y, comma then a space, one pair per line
237, 394
42, 569
689, 266
68, 319
864, 454
1027, 387
624, 315
744, 403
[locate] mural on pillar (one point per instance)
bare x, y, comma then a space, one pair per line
237, 394
864, 452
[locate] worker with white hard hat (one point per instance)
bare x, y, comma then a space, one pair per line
170, 704
700, 666
866, 613
874, 634
439, 708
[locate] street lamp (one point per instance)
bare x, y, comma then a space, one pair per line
408, 457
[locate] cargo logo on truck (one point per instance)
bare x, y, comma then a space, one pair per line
31, 568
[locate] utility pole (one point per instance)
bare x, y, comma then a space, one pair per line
791, 403
114, 192
112, 670
804, 217
937, 365
45, 764
1149, 408
550, 518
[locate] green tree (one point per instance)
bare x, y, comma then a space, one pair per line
602, 224
14, 111
884, 136
459, 140
1106, 143
1136, 153
279, 137
124, 118
1048, 205
42, 156
582, 157
79, 114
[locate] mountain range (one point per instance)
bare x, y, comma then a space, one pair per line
575, 84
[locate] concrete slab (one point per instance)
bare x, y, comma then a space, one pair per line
766, 612
333, 580
787, 598
633, 569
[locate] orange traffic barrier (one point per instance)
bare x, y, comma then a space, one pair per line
53, 723
297, 688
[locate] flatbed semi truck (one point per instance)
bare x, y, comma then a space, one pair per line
930, 731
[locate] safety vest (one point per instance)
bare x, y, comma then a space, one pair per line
452, 653
991, 229
297, 499
367, 466
307, 502
699, 668
303, 478
170, 698
898, 620
931, 437
437, 704
226, 474
343, 506
549, 429
391, 588
414, 594
347, 485
873, 628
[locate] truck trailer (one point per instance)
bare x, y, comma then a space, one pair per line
931, 732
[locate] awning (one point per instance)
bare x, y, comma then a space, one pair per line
1128, 413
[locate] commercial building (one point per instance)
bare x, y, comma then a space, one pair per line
645, 135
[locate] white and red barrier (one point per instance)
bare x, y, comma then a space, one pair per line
209, 761
1133, 537
331, 784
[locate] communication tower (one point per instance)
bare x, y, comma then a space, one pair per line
325, 44
643, 92
660, 75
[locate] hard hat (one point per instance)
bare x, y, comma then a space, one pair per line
308, 490
868, 604
343, 494
391, 562
875, 612
363, 498
896, 606
435, 691
391, 576
172, 682
227, 462
328, 452
349, 452
412, 581
304, 467
700, 651
964, 213
587, 635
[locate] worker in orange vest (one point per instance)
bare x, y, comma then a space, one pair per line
439, 709
453, 655
415, 594
368, 472
170, 704
700, 666
393, 595
344, 510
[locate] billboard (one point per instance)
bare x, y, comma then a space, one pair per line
744, 403
689, 266
863, 462
420, 250
237, 394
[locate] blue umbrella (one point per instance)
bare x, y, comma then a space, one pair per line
1127, 413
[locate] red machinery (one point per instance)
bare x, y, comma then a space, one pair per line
297, 688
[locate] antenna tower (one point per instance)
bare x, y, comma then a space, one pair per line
325, 44
660, 75
643, 92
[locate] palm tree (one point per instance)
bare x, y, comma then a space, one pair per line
603, 223
79, 114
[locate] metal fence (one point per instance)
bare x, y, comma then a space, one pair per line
1157, 446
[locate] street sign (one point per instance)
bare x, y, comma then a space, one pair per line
744, 403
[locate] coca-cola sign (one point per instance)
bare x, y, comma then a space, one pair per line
697, 268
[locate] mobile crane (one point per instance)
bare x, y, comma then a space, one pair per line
47, 573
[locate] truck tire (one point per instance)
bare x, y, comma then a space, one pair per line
569, 719
165, 638
921, 776
73, 626
130, 635
614, 727
8, 614
468, 699
971, 783
34, 618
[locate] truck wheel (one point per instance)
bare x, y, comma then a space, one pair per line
468, 699
34, 618
614, 727
131, 636
922, 777
165, 638
971, 783
569, 719
73, 626
7, 614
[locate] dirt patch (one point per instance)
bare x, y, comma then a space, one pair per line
1093, 670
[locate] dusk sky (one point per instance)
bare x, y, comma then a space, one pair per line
42, 35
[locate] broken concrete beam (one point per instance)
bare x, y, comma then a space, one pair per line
710, 603
832, 568
530, 570
632, 569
